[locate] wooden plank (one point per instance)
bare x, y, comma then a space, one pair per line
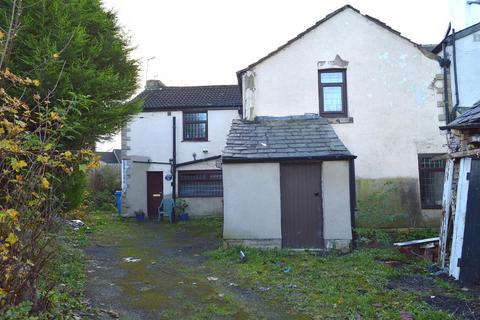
459, 154
446, 208
460, 212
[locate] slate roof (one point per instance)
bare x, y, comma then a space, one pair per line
178, 98
283, 138
110, 157
326, 18
468, 119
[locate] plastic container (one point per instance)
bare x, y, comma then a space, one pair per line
118, 201
183, 216
140, 216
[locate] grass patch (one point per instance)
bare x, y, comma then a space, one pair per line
332, 286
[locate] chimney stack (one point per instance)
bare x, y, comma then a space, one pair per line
154, 85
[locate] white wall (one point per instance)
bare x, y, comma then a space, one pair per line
394, 97
468, 69
253, 204
390, 85
149, 136
252, 201
336, 202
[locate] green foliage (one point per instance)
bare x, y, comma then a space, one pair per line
74, 189
180, 205
374, 211
104, 181
331, 286
372, 235
19, 312
77, 51
33, 162
386, 237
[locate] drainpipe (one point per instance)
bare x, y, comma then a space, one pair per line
174, 163
457, 99
445, 64
353, 200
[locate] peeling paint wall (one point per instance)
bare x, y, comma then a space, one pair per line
394, 97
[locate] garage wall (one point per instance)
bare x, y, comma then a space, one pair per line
252, 203
337, 228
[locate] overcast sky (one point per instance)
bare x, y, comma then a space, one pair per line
198, 42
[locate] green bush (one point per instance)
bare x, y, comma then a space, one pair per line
104, 181
74, 189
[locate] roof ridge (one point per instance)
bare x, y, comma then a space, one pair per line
321, 21
201, 86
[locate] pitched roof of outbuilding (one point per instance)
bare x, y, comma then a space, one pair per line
174, 98
283, 138
110, 156
467, 120
326, 18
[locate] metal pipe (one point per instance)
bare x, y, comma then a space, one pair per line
457, 98
353, 200
444, 64
174, 163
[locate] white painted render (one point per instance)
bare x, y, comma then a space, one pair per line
394, 100
336, 201
391, 92
468, 69
252, 196
149, 136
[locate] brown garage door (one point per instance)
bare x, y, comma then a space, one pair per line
301, 192
154, 192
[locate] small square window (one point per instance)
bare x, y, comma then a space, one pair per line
195, 126
333, 92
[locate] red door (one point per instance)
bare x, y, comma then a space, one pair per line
154, 192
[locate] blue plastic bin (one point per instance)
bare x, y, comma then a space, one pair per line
118, 201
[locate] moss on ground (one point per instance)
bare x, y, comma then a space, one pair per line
366, 284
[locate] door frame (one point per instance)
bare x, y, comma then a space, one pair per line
320, 240
148, 190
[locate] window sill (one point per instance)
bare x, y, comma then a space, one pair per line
340, 120
195, 141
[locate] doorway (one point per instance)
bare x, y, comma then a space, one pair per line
154, 192
301, 200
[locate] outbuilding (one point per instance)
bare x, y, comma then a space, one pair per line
288, 182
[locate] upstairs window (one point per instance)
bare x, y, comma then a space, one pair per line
333, 92
200, 183
432, 174
195, 126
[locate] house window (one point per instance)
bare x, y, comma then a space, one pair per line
432, 174
333, 92
195, 126
200, 183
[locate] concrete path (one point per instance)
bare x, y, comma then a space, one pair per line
159, 271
